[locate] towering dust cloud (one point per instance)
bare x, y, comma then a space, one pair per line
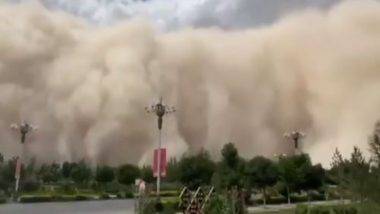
86, 86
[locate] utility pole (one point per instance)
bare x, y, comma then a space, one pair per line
160, 110
295, 137
24, 129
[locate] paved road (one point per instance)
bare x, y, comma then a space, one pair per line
83, 207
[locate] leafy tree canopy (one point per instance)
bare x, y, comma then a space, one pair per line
127, 174
261, 172
104, 174
196, 170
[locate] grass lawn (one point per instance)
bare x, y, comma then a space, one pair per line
288, 211
365, 208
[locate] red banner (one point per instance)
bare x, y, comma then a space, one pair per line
162, 163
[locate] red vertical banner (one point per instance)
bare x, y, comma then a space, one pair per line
162, 163
18, 168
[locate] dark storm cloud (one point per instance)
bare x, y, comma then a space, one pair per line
174, 14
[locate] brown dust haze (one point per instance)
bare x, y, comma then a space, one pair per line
86, 86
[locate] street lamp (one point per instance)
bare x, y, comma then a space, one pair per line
24, 128
160, 110
295, 136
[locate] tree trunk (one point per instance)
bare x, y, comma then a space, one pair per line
264, 197
287, 190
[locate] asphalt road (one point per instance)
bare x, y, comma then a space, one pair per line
83, 207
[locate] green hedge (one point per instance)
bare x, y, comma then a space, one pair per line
344, 209
50, 198
319, 210
3, 200
301, 209
167, 193
272, 200
35, 198
282, 200
128, 195
298, 198
169, 207
63, 198
318, 197
82, 197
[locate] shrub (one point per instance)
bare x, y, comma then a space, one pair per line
168, 207
67, 189
368, 208
317, 197
319, 210
218, 204
30, 185
82, 197
3, 199
35, 198
277, 200
63, 198
166, 193
344, 210
105, 196
298, 198
129, 195
351, 210
301, 209
113, 187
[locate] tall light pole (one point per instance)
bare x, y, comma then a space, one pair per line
24, 129
160, 110
295, 137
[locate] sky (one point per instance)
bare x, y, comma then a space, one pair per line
175, 14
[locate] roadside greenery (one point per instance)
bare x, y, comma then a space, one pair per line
238, 181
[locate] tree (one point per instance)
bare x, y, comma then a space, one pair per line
104, 174
261, 173
30, 184
147, 174
339, 167
66, 169
172, 170
374, 144
292, 171
81, 173
31, 167
196, 170
49, 173
314, 178
127, 174
358, 172
230, 171
7, 173
230, 155
374, 178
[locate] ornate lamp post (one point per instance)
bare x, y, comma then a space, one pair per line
160, 110
295, 136
24, 129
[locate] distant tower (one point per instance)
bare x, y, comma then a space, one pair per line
295, 137
24, 128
